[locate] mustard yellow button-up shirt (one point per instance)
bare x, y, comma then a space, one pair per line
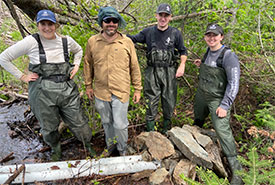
111, 67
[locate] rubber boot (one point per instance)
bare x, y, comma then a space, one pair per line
166, 124
90, 149
56, 152
150, 125
108, 151
198, 122
234, 165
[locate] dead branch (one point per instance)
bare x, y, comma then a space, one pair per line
111, 177
180, 17
15, 174
269, 63
20, 95
15, 16
261, 42
127, 6
117, 181
47, 148
7, 158
23, 176
10, 95
188, 84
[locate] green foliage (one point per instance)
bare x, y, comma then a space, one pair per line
207, 176
16, 35
260, 171
265, 116
4, 97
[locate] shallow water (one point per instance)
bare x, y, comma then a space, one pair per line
22, 149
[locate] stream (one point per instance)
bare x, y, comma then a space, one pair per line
23, 149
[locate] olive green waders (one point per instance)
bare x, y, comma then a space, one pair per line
54, 96
212, 85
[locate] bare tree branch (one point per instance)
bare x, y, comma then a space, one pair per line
261, 42
123, 10
180, 17
15, 16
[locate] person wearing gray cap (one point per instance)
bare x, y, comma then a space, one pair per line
165, 47
219, 76
110, 67
53, 95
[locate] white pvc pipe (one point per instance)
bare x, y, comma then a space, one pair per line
61, 170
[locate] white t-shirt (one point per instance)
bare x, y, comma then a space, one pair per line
29, 46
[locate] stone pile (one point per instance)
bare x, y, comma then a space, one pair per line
179, 152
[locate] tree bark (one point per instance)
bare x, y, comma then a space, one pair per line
15, 17
30, 7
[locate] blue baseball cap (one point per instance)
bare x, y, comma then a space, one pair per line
45, 15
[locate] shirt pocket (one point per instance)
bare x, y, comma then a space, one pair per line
121, 58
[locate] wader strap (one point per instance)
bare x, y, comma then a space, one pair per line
153, 34
205, 55
219, 60
42, 55
65, 49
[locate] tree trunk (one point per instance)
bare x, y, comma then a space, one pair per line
30, 7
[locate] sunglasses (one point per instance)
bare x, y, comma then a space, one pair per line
108, 20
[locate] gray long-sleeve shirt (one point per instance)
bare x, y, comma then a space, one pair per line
232, 69
29, 46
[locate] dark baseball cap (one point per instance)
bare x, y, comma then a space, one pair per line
164, 8
214, 28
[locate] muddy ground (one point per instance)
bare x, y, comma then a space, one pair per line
72, 149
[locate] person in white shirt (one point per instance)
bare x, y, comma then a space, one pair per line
53, 95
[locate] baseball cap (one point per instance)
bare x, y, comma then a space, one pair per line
164, 8
214, 28
45, 15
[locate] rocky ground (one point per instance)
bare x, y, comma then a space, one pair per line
179, 151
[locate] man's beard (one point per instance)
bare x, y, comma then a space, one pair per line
111, 33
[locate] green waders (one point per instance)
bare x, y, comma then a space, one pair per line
160, 82
212, 85
53, 96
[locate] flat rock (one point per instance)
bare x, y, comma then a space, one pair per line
186, 143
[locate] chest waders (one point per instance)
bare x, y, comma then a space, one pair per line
53, 96
160, 80
212, 86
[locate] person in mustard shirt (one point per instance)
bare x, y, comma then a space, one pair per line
110, 67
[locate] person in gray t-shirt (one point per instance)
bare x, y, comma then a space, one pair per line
218, 86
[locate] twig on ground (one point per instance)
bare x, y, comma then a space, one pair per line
7, 158
15, 174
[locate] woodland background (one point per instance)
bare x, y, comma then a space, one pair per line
249, 31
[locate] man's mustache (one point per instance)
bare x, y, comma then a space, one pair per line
111, 26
